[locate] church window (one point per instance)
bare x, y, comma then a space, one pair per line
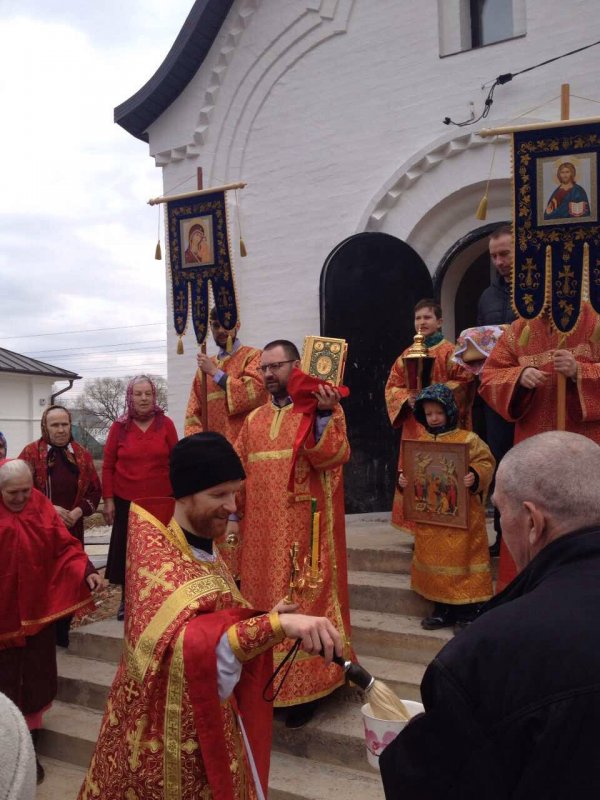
470, 24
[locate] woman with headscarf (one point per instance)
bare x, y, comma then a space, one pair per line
451, 566
136, 465
63, 470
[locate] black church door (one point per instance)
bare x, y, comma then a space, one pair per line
370, 284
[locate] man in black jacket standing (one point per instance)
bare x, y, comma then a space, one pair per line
495, 308
512, 704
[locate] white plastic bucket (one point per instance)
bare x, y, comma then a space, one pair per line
380, 732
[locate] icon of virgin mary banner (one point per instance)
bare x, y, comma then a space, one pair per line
557, 236
199, 249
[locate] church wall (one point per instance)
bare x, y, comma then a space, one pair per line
332, 111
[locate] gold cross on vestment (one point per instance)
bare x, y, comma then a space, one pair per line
131, 690
156, 579
137, 745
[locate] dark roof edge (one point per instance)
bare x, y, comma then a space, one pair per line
182, 62
63, 375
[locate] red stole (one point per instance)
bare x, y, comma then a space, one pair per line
202, 635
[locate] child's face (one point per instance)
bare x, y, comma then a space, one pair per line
434, 414
426, 321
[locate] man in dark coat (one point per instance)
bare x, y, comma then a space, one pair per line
495, 308
512, 703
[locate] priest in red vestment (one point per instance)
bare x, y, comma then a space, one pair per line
519, 381
285, 470
235, 385
44, 575
186, 717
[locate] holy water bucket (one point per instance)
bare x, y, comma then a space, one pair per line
380, 732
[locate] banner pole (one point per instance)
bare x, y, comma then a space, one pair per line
561, 380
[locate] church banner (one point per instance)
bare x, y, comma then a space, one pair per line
199, 250
557, 235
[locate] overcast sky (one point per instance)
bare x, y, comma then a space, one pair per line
77, 238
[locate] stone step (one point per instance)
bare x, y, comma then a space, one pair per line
335, 735
384, 591
69, 733
288, 780
63, 781
83, 681
291, 779
404, 677
373, 545
102, 641
395, 637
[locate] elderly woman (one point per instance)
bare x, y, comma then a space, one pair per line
136, 465
64, 471
45, 576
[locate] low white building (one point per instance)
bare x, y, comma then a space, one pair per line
360, 200
25, 392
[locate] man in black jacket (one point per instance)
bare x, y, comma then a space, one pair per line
512, 704
495, 308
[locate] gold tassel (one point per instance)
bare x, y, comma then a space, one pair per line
158, 252
595, 337
524, 337
180, 347
481, 212
229, 345
243, 251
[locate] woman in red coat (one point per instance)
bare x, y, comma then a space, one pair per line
136, 465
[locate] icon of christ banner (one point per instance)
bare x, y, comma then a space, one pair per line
199, 250
557, 236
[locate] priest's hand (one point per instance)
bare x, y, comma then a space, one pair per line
327, 397
109, 510
317, 633
205, 364
565, 363
94, 581
531, 378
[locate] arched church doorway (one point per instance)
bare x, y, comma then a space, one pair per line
462, 275
370, 283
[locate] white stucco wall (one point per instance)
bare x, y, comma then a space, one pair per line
332, 111
23, 399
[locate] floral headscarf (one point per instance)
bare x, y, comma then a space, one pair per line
127, 418
44, 423
54, 451
437, 393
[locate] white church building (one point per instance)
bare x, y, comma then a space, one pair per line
359, 200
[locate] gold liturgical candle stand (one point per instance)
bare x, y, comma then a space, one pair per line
418, 365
